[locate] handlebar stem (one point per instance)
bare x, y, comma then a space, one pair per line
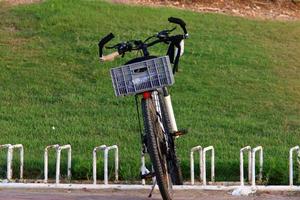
145, 50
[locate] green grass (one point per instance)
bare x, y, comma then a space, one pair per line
238, 85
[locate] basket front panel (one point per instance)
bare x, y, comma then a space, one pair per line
142, 76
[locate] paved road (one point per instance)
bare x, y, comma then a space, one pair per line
11, 194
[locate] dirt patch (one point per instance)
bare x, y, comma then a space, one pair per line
17, 2
262, 9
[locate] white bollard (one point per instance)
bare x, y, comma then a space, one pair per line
11, 152
291, 174
113, 147
260, 149
199, 149
58, 155
245, 149
102, 147
144, 169
55, 146
8, 167
210, 148
106, 151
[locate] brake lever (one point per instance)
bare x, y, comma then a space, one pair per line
119, 47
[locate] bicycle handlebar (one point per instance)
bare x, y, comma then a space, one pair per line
179, 22
124, 47
103, 41
109, 57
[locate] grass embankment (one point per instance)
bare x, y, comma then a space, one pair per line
239, 85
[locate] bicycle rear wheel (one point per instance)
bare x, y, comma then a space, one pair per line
156, 146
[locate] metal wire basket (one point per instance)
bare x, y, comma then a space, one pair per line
142, 76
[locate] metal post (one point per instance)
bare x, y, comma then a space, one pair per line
261, 161
95, 166
58, 153
259, 148
298, 161
46, 165
192, 167
46, 161
21, 162
212, 164
105, 166
10, 159
57, 176
69, 163
9, 162
102, 147
107, 149
116, 163
247, 148
249, 166
8, 167
291, 173
143, 167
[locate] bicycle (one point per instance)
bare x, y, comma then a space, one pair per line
149, 76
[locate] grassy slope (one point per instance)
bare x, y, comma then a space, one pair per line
239, 85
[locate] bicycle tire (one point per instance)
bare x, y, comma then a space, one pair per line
155, 149
174, 164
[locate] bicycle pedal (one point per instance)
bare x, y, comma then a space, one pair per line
147, 176
180, 133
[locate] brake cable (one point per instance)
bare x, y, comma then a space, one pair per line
153, 36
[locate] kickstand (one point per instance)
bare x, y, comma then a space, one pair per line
152, 189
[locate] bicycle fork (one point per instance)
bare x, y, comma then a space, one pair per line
170, 112
169, 107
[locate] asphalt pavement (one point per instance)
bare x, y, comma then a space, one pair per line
33, 194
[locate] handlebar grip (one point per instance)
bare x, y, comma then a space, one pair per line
109, 57
103, 41
179, 22
176, 21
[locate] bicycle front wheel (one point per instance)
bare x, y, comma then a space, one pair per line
156, 146
174, 162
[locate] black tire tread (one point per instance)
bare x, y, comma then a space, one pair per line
149, 116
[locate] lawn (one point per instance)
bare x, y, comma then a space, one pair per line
238, 85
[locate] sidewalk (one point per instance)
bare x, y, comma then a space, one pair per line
10, 194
